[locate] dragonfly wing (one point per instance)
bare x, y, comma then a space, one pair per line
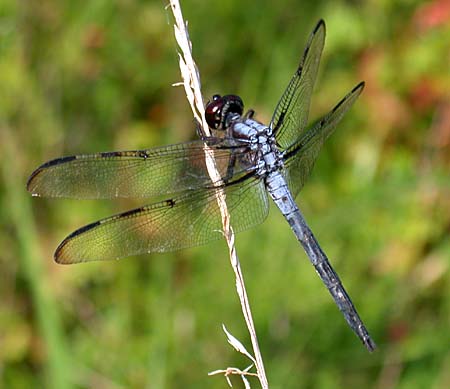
189, 220
291, 114
300, 158
138, 173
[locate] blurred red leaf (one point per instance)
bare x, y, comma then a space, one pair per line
432, 14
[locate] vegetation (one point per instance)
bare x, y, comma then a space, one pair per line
81, 77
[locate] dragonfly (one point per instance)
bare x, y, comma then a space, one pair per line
254, 162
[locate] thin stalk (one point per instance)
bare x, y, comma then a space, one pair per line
192, 86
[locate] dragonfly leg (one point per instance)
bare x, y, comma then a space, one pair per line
249, 114
230, 168
201, 134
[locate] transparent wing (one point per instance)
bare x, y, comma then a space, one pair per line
189, 220
291, 114
300, 158
139, 173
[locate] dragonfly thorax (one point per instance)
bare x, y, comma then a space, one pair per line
259, 138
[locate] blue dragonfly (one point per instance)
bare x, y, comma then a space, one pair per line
255, 162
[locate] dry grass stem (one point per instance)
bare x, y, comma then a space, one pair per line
191, 82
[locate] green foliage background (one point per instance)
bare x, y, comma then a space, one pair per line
80, 77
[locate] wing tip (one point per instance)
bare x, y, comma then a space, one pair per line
59, 259
37, 172
354, 93
360, 86
58, 256
31, 180
320, 24
62, 256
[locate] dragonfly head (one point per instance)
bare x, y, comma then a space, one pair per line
219, 111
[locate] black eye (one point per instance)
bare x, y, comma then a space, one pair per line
217, 111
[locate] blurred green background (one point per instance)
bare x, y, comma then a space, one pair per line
81, 77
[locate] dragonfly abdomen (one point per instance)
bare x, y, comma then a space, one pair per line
279, 191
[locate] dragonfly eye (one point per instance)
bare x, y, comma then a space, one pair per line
218, 110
